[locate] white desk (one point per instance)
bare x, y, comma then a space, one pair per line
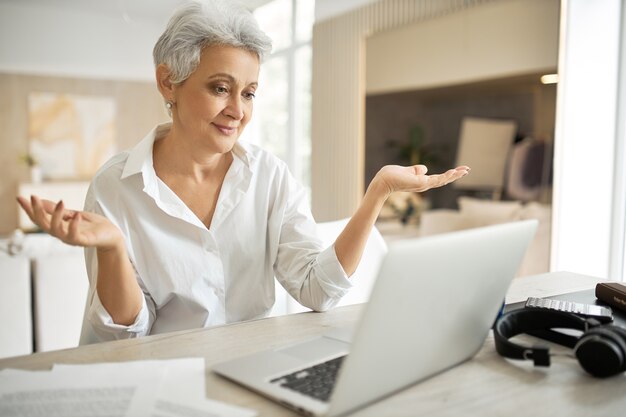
487, 385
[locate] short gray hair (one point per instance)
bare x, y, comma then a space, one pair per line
198, 24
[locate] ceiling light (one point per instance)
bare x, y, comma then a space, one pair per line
550, 79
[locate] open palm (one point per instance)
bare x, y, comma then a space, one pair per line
414, 178
77, 228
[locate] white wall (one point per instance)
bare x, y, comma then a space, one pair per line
585, 142
36, 39
617, 267
497, 39
327, 9
68, 39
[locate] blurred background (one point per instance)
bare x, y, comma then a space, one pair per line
529, 93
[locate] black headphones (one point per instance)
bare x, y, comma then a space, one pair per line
600, 350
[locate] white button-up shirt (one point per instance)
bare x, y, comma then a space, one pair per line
194, 277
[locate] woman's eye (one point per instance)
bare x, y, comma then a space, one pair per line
249, 96
220, 89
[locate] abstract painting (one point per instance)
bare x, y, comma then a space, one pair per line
71, 136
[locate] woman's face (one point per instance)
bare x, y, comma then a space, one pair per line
214, 104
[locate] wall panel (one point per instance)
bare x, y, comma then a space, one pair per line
139, 108
338, 90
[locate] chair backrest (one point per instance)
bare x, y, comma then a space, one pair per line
484, 145
60, 287
365, 274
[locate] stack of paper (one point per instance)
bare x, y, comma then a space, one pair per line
159, 388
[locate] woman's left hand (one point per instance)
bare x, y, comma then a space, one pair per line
393, 178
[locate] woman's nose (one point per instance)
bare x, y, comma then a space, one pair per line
234, 108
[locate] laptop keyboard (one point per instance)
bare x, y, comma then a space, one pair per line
316, 381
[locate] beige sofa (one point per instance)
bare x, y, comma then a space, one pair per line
475, 212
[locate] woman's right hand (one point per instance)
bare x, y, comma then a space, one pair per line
78, 228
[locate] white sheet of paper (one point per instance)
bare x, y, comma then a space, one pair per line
182, 390
185, 377
82, 394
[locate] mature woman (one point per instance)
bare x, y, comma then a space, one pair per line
189, 228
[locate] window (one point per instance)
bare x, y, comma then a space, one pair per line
282, 118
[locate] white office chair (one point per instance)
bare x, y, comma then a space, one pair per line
484, 145
363, 278
60, 286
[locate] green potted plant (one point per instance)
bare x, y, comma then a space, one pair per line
415, 150
33, 165
408, 207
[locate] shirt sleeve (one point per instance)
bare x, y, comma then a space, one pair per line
310, 273
98, 326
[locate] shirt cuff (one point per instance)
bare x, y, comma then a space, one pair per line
102, 321
333, 279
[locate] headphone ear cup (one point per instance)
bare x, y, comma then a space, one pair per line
619, 333
601, 351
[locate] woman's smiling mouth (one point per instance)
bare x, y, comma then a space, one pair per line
226, 130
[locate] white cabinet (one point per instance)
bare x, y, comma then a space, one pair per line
71, 192
15, 306
52, 275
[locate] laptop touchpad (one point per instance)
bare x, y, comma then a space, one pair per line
319, 348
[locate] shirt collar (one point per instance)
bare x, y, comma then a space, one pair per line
242, 151
140, 157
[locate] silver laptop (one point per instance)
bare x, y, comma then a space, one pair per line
433, 303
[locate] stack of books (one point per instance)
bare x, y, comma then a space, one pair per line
612, 293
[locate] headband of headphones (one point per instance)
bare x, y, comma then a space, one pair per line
530, 321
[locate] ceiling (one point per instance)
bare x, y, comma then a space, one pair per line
161, 9
133, 9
